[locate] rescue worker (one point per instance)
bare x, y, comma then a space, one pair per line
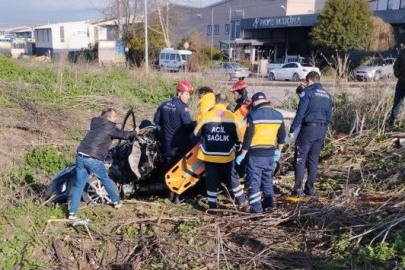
399, 72
239, 91
240, 94
206, 100
219, 133
262, 144
176, 127
313, 115
173, 118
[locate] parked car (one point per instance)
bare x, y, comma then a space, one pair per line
285, 60
292, 71
375, 69
229, 70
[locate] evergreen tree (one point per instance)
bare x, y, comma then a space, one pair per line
343, 25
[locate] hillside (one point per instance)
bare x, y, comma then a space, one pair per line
355, 223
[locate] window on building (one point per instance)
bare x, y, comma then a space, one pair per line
390, 4
227, 28
62, 34
95, 33
209, 30
216, 29
235, 26
402, 4
48, 34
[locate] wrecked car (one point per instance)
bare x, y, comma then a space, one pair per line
134, 166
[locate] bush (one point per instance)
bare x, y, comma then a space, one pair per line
48, 160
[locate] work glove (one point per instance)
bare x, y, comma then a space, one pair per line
277, 155
239, 159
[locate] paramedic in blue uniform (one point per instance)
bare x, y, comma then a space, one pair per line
262, 144
314, 115
175, 123
219, 134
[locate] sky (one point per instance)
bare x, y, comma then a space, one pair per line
14, 13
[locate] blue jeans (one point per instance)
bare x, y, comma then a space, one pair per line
259, 175
85, 166
307, 148
398, 98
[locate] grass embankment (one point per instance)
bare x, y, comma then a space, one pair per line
46, 112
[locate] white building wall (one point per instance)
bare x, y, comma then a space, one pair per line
74, 36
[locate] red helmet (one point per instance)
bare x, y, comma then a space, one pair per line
239, 85
184, 86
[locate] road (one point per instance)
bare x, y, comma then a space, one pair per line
274, 90
277, 91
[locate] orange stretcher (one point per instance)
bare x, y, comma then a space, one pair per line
185, 173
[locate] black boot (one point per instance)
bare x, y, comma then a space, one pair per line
390, 125
174, 198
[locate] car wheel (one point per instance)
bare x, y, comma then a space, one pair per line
95, 192
272, 77
377, 76
296, 77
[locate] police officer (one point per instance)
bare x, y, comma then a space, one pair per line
219, 133
313, 114
176, 126
263, 141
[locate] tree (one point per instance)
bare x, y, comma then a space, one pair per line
166, 19
382, 37
136, 44
343, 25
201, 56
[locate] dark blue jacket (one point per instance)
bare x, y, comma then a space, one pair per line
176, 127
99, 138
314, 107
265, 130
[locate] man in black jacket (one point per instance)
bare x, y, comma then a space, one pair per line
91, 154
399, 72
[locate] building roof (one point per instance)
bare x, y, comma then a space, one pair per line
58, 24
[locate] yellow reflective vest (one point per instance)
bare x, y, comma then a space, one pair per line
219, 132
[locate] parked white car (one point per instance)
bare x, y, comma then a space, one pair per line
292, 71
375, 69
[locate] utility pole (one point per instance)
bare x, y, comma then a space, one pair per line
119, 20
146, 36
212, 31
229, 35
